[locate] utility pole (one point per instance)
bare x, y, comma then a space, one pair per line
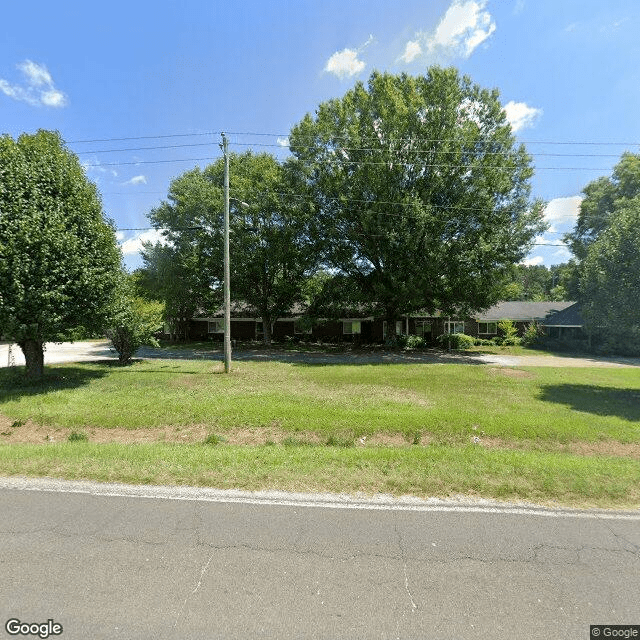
227, 277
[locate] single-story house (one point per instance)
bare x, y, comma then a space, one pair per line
567, 323
561, 319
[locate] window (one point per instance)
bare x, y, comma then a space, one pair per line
423, 328
216, 326
301, 328
455, 327
351, 327
488, 327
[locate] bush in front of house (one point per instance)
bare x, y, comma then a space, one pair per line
532, 334
415, 342
509, 334
458, 341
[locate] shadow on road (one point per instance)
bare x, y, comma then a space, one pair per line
602, 401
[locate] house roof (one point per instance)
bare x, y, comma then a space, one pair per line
521, 311
569, 317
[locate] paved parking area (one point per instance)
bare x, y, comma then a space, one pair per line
101, 350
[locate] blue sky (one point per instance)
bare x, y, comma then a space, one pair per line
568, 71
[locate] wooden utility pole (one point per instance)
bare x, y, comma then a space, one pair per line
227, 277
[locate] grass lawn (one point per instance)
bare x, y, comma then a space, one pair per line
566, 435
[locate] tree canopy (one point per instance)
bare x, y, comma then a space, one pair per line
607, 238
59, 260
602, 198
270, 247
422, 195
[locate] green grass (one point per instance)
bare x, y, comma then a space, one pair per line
439, 470
445, 401
532, 414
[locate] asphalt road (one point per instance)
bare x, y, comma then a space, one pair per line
138, 563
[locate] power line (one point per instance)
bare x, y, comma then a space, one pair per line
333, 138
428, 151
135, 162
169, 135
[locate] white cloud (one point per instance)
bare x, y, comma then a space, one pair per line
283, 142
134, 245
463, 28
137, 180
533, 261
562, 253
38, 88
521, 115
345, 63
563, 210
411, 51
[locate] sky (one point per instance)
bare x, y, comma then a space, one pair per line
140, 91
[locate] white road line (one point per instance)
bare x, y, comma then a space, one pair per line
322, 500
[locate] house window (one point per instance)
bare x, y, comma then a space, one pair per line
455, 327
351, 327
301, 328
488, 327
215, 326
423, 328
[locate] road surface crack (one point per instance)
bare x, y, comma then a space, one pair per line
184, 604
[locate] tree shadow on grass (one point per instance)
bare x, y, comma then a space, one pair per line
602, 401
14, 383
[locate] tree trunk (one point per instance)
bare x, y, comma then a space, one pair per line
34, 357
390, 319
266, 328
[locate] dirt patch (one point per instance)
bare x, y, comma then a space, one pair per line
18, 432
607, 448
602, 448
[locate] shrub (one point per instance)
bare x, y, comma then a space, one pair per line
509, 335
396, 341
458, 341
414, 342
134, 325
619, 343
532, 334
482, 342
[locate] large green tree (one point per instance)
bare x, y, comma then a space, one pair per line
59, 260
602, 198
611, 279
423, 196
270, 247
175, 274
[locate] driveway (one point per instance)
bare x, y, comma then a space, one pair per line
101, 350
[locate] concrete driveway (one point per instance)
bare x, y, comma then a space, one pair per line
11, 355
102, 350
